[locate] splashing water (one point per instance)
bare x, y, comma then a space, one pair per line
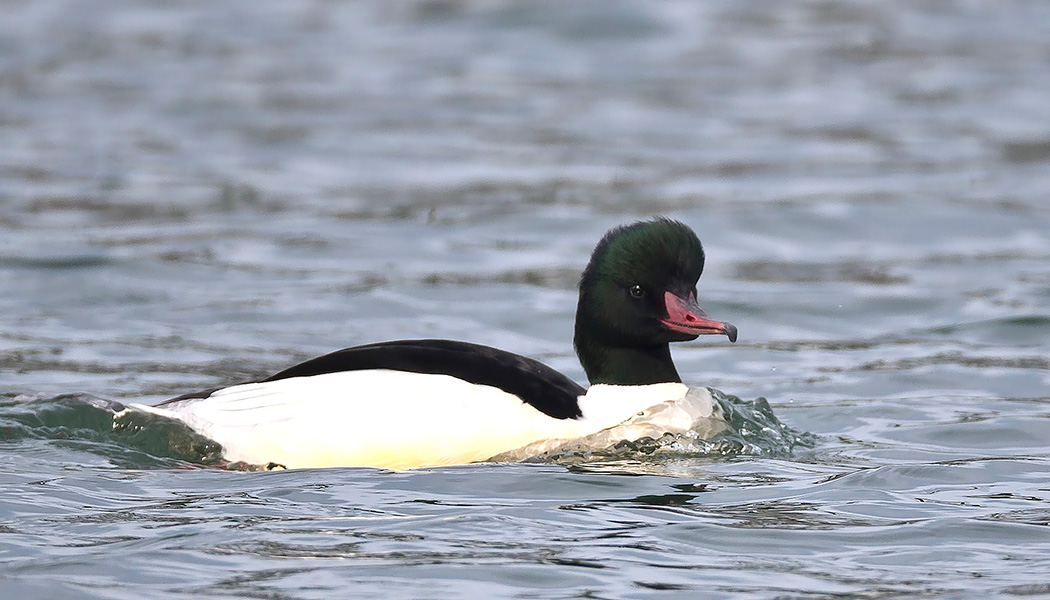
134, 439
740, 428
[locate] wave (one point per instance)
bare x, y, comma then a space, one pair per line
129, 439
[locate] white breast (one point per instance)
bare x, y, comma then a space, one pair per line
392, 419
657, 409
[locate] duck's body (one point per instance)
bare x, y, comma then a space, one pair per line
393, 419
433, 402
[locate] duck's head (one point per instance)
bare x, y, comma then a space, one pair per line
638, 294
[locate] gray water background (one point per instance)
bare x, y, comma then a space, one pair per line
196, 194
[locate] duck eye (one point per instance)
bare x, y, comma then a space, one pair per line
636, 291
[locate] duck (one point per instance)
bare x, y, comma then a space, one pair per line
431, 402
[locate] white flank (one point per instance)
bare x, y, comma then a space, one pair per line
399, 420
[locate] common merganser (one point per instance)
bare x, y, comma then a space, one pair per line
416, 403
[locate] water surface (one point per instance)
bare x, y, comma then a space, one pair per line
194, 195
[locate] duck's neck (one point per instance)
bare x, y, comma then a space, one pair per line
616, 365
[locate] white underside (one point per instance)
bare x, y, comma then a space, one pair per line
399, 420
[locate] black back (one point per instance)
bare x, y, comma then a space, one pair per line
535, 383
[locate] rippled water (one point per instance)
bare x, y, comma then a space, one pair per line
196, 194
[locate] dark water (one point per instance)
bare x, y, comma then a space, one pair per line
195, 194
